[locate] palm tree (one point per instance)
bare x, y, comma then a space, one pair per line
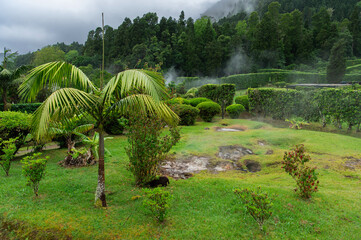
131, 90
8, 77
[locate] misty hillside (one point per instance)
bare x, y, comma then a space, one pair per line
1, 57
226, 8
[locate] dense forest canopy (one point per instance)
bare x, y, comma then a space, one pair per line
283, 34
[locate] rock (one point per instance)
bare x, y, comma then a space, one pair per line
233, 152
206, 129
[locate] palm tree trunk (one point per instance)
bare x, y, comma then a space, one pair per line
100, 191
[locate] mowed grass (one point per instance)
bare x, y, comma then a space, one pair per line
204, 206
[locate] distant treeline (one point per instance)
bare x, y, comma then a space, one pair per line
274, 36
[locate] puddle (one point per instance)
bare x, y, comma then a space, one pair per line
234, 128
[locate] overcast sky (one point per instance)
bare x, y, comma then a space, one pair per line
28, 25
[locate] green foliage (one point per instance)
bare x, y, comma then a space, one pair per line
337, 66
257, 203
23, 107
178, 100
243, 100
297, 123
235, 110
305, 177
9, 149
207, 110
15, 125
115, 125
34, 170
186, 113
48, 54
191, 93
209, 91
157, 201
226, 94
147, 146
195, 101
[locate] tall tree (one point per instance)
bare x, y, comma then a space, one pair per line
337, 66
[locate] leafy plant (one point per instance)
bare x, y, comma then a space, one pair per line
93, 143
297, 123
257, 203
195, 101
186, 113
305, 177
235, 110
157, 201
9, 149
34, 170
148, 146
243, 100
207, 110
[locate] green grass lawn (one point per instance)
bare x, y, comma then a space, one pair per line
204, 206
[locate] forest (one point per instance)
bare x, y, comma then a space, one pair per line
293, 35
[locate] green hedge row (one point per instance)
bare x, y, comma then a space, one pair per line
22, 107
329, 105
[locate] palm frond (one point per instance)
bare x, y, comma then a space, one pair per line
145, 103
84, 128
54, 74
63, 102
146, 82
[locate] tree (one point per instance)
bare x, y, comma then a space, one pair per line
48, 54
337, 66
131, 90
8, 77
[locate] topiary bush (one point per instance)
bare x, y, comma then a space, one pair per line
195, 101
186, 113
207, 110
191, 93
209, 91
178, 100
235, 110
243, 100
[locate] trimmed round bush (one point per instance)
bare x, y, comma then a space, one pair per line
207, 110
243, 100
234, 110
178, 100
186, 113
195, 101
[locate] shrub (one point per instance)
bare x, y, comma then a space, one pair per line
9, 149
186, 113
115, 125
34, 170
157, 202
195, 101
235, 110
209, 91
306, 177
191, 93
15, 125
243, 100
257, 203
226, 94
207, 110
178, 100
147, 146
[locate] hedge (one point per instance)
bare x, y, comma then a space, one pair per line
22, 107
243, 100
329, 105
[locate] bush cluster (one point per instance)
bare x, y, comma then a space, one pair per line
243, 100
186, 113
207, 110
195, 101
157, 201
15, 125
235, 110
178, 100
